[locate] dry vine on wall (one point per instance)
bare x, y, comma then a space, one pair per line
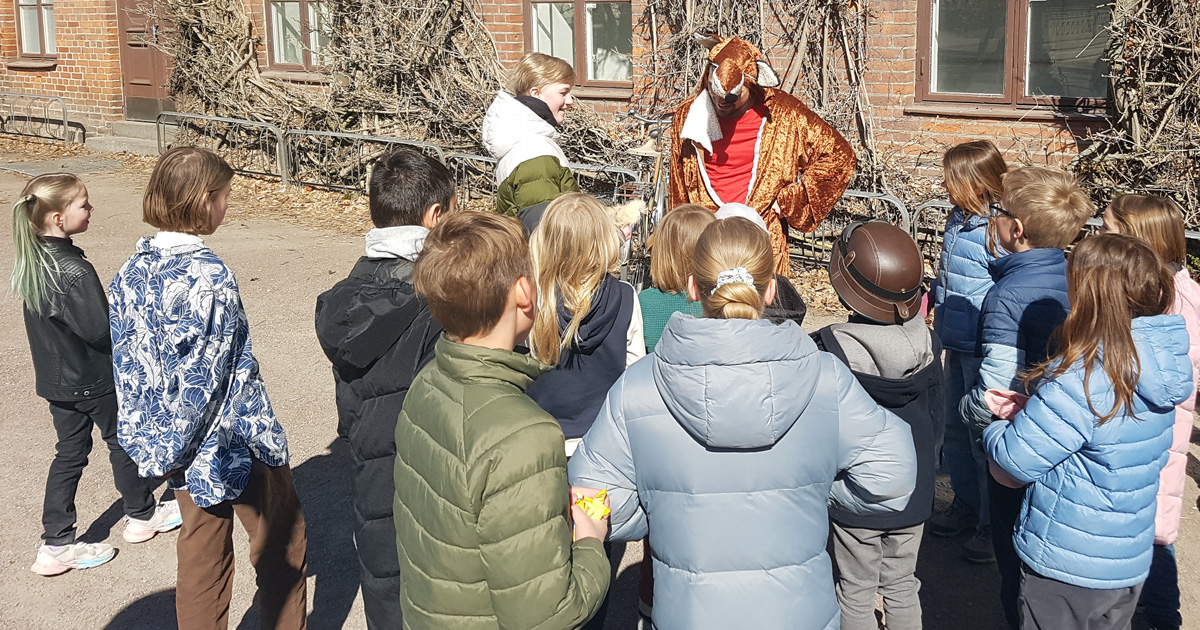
1154, 143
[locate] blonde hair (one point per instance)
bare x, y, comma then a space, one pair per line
726, 245
973, 172
32, 264
673, 244
573, 248
467, 268
179, 195
1156, 220
1049, 202
536, 70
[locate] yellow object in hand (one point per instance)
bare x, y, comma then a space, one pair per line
594, 507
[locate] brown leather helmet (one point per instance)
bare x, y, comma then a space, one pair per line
877, 270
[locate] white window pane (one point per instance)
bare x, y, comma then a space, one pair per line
968, 46
48, 25
288, 45
1066, 46
28, 2
320, 20
610, 41
554, 30
31, 43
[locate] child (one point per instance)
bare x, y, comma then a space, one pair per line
876, 270
972, 172
193, 406
67, 325
671, 248
1040, 212
727, 443
481, 480
1094, 437
589, 324
378, 334
520, 129
1158, 222
787, 303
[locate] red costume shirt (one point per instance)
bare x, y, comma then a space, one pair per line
730, 167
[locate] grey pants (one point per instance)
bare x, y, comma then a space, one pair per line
871, 561
1048, 604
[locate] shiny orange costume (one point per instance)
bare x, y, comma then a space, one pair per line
803, 164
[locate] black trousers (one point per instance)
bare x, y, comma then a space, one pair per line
1004, 508
1048, 604
73, 422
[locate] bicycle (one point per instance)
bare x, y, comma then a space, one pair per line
635, 266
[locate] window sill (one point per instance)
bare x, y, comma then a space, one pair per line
31, 64
298, 76
603, 93
1003, 112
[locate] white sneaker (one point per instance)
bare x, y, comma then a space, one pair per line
56, 559
165, 518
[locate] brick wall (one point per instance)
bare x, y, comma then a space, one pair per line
88, 72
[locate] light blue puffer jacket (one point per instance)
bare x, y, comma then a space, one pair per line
728, 440
962, 281
1088, 517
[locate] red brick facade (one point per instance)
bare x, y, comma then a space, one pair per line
87, 72
88, 75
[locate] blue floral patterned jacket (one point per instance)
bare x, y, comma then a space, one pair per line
190, 395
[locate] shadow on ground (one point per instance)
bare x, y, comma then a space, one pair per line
323, 483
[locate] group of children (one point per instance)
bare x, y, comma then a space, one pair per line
494, 380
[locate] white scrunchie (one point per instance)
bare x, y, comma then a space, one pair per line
737, 274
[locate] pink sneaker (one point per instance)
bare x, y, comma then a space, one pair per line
57, 559
165, 518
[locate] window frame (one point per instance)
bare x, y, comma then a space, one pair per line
309, 64
41, 16
580, 62
1016, 58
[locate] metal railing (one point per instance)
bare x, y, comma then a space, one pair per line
814, 248
21, 117
472, 174
250, 147
604, 182
313, 157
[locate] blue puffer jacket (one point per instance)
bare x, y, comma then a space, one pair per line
962, 281
1088, 518
1018, 317
731, 439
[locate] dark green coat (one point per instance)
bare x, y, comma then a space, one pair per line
534, 181
481, 502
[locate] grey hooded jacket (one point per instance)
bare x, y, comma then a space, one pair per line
732, 438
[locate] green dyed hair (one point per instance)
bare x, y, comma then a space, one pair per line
32, 265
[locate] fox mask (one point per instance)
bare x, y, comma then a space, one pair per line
733, 64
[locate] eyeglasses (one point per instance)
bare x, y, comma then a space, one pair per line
997, 210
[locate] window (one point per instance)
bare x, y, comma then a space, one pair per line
35, 19
596, 38
1021, 52
299, 33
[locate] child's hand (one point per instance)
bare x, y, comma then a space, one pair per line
586, 526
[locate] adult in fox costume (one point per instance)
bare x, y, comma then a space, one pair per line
739, 140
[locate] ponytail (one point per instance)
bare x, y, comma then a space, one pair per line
31, 262
33, 277
732, 268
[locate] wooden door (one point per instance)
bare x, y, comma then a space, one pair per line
144, 68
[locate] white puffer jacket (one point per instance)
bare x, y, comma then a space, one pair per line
512, 133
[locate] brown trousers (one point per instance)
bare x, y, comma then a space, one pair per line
270, 511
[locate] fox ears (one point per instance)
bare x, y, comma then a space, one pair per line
743, 53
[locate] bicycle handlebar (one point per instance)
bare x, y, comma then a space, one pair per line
632, 113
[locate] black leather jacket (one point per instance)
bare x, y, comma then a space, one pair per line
70, 340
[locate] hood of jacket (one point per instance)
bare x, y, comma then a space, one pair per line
1162, 345
718, 378
513, 133
400, 241
600, 318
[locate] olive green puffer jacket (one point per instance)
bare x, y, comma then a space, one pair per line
534, 181
481, 502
